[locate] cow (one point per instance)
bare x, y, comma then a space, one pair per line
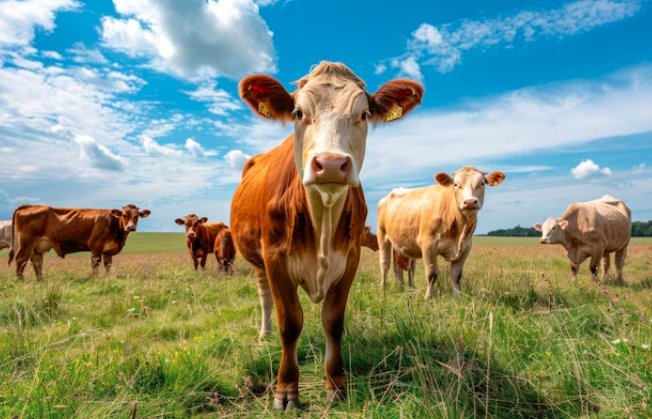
39, 228
200, 237
5, 234
435, 220
298, 214
225, 250
593, 229
369, 239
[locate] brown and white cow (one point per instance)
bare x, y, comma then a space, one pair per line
200, 237
369, 239
225, 250
298, 214
593, 229
436, 220
39, 228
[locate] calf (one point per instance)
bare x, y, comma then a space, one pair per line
200, 237
298, 214
436, 220
225, 250
593, 229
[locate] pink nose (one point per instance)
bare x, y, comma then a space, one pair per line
329, 168
472, 203
191, 235
542, 241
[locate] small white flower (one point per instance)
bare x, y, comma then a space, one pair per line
615, 341
645, 347
131, 309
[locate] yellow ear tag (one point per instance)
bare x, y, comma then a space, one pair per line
265, 109
395, 113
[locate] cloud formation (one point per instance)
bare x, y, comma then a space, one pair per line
236, 159
18, 19
442, 47
193, 39
588, 170
98, 155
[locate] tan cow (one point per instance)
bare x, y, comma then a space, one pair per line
39, 228
593, 229
436, 220
200, 237
298, 215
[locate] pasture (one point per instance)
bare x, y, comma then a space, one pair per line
157, 339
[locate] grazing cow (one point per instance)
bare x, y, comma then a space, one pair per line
436, 220
593, 229
39, 228
225, 250
200, 237
298, 214
5, 234
369, 239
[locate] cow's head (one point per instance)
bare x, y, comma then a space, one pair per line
469, 185
331, 111
129, 215
369, 239
552, 231
192, 223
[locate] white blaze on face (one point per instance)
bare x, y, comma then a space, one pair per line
469, 189
331, 131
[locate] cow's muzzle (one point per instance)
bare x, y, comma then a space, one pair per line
331, 168
543, 241
131, 228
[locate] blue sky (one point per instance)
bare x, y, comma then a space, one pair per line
104, 103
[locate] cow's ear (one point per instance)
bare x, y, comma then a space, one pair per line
394, 99
144, 213
538, 227
203, 219
116, 213
443, 179
179, 221
495, 178
563, 224
267, 97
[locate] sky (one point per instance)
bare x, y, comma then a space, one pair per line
105, 103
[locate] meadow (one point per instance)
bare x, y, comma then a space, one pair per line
157, 339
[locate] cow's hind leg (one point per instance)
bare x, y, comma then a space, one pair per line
37, 263
398, 270
430, 264
23, 255
332, 318
620, 264
96, 259
605, 264
266, 303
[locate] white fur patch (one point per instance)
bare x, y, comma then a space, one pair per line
304, 270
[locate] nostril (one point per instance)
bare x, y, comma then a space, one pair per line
316, 165
346, 166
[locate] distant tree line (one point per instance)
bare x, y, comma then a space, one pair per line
639, 229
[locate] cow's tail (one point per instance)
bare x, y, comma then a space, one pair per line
14, 239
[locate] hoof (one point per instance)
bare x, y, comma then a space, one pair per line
285, 402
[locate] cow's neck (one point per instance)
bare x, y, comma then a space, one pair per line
466, 223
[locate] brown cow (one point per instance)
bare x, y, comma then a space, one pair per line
225, 250
435, 220
39, 228
200, 237
369, 239
298, 214
593, 229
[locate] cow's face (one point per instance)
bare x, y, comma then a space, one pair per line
192, 223
552, 231
331, 111
129, 215
469, 184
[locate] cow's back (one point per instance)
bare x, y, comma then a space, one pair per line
605, 222
224, 245
212, 230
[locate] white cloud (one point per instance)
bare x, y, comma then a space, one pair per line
442, 46
152, 147
236, 159
19, 18
85, 55
98, 155
52, 55
219, 101
193, 39
588, 170
197, 150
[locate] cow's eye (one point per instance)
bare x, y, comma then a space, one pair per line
364, 115
456, 185
298, 114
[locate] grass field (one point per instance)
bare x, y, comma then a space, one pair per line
157, 339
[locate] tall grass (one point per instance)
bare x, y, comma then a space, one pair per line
159, 339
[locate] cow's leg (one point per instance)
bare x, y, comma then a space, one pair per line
385, 257
195, 261
398, 270
203, 260
108, 263
96, 259
22, 257
619, 260
456, 271
430, 264
266, 303
412, 267
605, 263
289, 316
332, 318
595, 264
37, 263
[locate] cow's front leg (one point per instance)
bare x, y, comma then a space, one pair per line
430, 264
456, 271
289, 316
203, 260
595, 264
606, 265
384, 256
619, 260
398, 270
266, 303
96, 259
108, 263
37, 263
332, 318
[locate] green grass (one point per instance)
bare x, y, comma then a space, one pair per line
159, 339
